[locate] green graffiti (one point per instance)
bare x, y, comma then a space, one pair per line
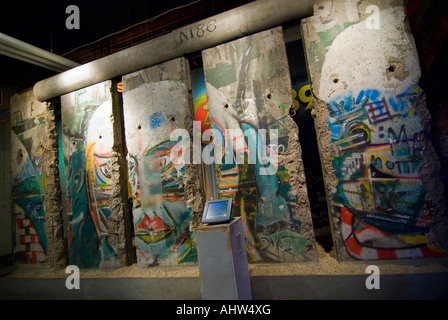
327, 37
222, 75
316, 53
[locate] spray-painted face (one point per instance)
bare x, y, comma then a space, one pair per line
162, 219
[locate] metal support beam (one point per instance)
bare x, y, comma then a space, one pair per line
253, 17
20, 50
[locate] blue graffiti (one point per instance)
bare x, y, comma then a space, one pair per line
156, 120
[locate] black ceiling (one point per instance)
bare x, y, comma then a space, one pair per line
42, 24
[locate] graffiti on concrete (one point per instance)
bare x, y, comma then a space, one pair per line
156, 102
247, 91
376, 151
87, 144
27, 192
28, 145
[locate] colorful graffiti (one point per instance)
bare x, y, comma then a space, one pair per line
302, 98
162, 216
28, 143
156, 103
87, 137
376, 151
201, 112
247, 90
27, 192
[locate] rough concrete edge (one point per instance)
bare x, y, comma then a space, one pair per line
430, 175
57, 252
297, 178
292, 160
320, 114
194, 186
119, 222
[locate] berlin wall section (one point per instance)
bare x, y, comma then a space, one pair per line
381, 173
249, 95
36, 192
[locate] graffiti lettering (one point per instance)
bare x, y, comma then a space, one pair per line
376, 154
284, 244
304, 97
378, 112
197, 31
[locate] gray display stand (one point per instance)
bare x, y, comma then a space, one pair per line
223, 261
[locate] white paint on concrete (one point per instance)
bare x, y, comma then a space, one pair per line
358, 58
